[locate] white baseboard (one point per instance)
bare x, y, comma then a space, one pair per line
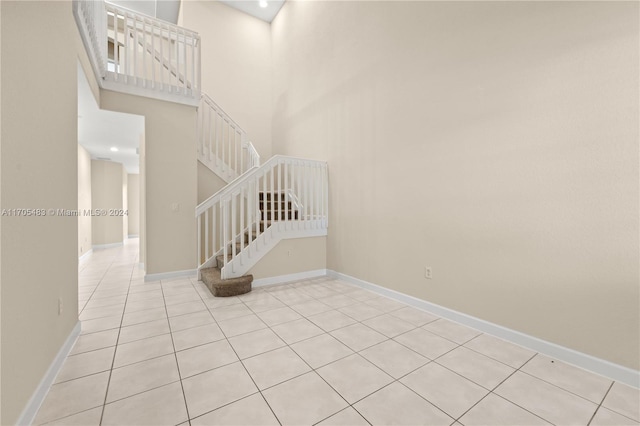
85, 255
171, 275
106, 246
597, 365
35, 402
280, 279
133, 236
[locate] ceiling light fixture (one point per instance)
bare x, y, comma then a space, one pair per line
114, 149
263, 3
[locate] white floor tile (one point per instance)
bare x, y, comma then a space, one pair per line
346, 417
476, 367
354, 377
141, 350
196, 336
314, 400
498, 349
72, 397
497, 411
205, 357
141, 377
331, 320
160, 406
255, 343
277, 366
241, 325
93, 341
446, 390
553, 404
570, 378
624, 400
252, 410
85, 418
451, 330
358, 336
397, 405
321, 350
87, 363
211, 390
295, 331
394, 359
606, 417
425, 343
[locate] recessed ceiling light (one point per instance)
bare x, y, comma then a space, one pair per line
114, 149
263, 3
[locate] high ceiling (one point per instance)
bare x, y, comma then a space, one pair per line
254, 9
168, 10
100, 130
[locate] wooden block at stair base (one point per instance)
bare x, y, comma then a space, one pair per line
225, 288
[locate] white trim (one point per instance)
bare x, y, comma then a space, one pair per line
133, 236
600, 366
85, 255
171, 275
37, 398
141, 265
192, 100
106, 246
261, 282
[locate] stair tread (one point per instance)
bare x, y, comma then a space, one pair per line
225, 288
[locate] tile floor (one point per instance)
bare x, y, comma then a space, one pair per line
310, 352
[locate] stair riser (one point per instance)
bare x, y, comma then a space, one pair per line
276, 196
275, 206
268, 215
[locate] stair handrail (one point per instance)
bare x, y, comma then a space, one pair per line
223, 151
244, 217
184, 65
91, 18
233, 185
178, 74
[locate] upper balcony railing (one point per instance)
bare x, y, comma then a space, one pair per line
135, 53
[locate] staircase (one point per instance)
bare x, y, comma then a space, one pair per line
261, 204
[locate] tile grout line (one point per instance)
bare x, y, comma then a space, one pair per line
600, 405
243, 366
175, 355
115, 352
491, 392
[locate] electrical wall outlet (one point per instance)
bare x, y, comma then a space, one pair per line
289, 253
60, 305
427, 272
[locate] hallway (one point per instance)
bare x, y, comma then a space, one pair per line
308, 352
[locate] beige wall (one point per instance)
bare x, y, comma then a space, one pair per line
1, 400
39, 167
84, 201
208, 182
133, 204
236, 65
106, 194
143, 203
170, 178
292, 256
496, 142
125, 204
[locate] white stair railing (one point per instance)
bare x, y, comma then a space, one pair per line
139, 54
284, 198
223, 145
91, 18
